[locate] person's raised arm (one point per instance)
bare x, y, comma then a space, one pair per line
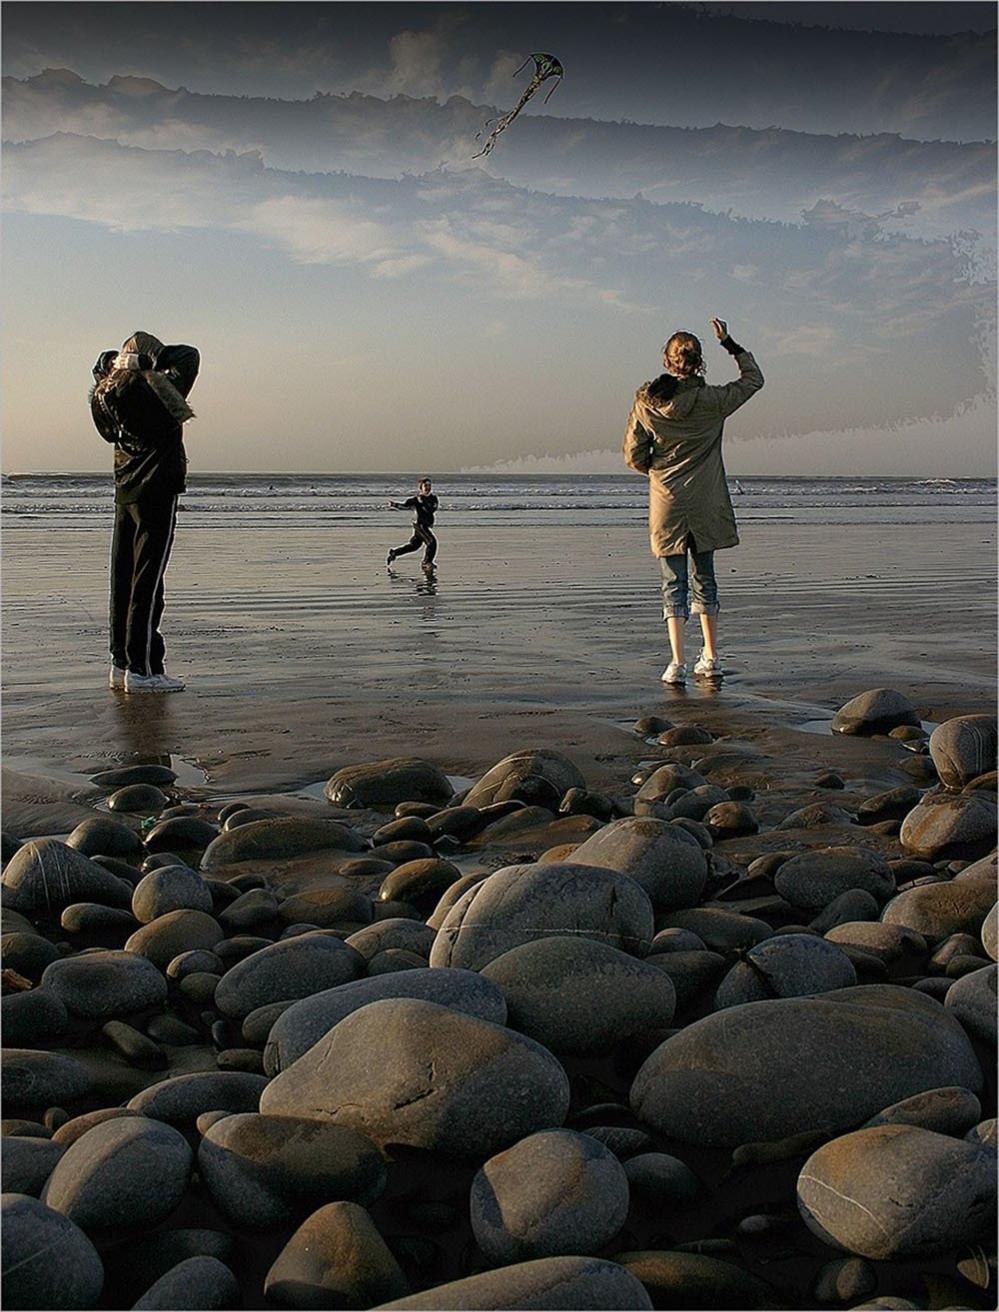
732, 395
181, 363
637, 443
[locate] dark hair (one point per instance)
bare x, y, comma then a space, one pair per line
683, 355
425, 480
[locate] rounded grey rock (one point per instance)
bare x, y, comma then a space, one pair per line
170, 888
877, 711
815, 879
964, 748
897, 1191
327, 908
411, 935
181, 1099
307, 1021
102, 985
855, 904
554, 1193
887, 941
552, 767
336, 1258
952, 1110
41, 1079
102, 1181
660, 1180
525, 902
577, 996
178, 931
845, 1280
138, 799
291, 968
939, 910
33, 1017
26, 1163
945, 826
48, 1262
548, 1282
695, 1280
201, 1282
786, 966
386, 783
972, 999
102, 835
769, 1070
45, 876
411, 1072
280, 838
664, 860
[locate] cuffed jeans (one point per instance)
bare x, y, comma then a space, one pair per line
700, 582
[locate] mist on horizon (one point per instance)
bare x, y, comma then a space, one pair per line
299, 199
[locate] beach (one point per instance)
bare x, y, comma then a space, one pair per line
586, 890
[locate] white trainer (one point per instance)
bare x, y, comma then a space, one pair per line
152, 683
116, 677
708, 667
675, 674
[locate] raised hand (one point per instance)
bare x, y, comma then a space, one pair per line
721, 328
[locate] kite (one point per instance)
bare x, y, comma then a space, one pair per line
545, 66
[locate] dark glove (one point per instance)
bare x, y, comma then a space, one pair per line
732, 346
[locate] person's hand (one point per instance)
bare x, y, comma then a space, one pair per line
721, 328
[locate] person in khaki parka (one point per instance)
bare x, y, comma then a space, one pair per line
674, 437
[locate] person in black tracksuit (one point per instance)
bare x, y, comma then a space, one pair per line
424, 508
150, 467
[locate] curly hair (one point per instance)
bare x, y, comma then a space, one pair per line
683, 355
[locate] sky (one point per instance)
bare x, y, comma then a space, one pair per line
292, 189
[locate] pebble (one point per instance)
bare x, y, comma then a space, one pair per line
895, 1191
181, 1099
48, 1262
690, 973
246, 815
500, 782
444, 1080
952, 1110
941, 909
728, 1079
45, 876
31, 1078
887, 941
972, 999
304, 1023
895, 804
964, 748
292, 968
420, 883
71, 1130
279, 839
256, 907
786, 966
845, 1280
178, 931
578, 996
814, 879
946, 826
170, 888
660, 1180
386, 783
102, 1181
26, 1163
693, 1280
720, 930
134, 1046
171, 1031
105, 836
138, 799
93, 920
553, 1193
327, 907
668, 864
622, 1140
877, 711
124, 775
33, 1017
548, 1282
197, 1282
410, 935
27, 954
336, 1258
260, 1170
731, 820
524, 902
990, 933
183, 832
853, 905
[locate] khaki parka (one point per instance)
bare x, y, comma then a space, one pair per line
678, 444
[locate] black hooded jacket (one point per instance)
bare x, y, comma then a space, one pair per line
149, 457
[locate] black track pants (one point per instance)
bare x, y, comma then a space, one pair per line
140, 549
422, 537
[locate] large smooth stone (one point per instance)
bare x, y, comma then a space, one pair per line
138, 799
291, 968
48, 1262
387, 783
260, 1169
420, 883
412, 1072
45, 876
327, 907
182, 1098
666, 861
32, 1017
580, 997
27, 954
887, 942
178, 931
877, 711
693, 1280
946, 826
306, 1021
335, 1259
170, 888
521, 903
103, 836
500, 782
41, 1079
769, 1070
197, 1282
127, 1173
963, 748
279, 839
26, 1163
101, 985
939, 910
552, 1194
549, 1282
665, 780
972, 999
786, 966
814, 879
897, 1191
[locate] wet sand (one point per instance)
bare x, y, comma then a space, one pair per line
303, 654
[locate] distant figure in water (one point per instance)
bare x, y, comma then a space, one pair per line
424, 508
674, 437
139, 404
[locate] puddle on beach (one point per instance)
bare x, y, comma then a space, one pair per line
189, 775
824, 727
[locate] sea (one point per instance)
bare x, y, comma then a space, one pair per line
507, 500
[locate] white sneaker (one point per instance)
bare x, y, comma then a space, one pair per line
152, 683
675, 673
708, 667
116, 677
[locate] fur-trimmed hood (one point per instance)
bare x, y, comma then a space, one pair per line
670, 397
